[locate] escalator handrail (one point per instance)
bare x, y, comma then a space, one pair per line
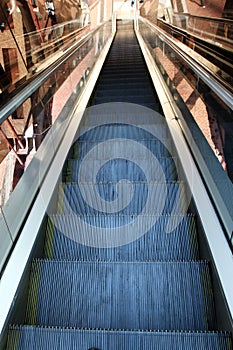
19, 209
219, 199
217, 54
21, 94
209, 20
187, 33
221, 251
16, 262
200, 69
213, 19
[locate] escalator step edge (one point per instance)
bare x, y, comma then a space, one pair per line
37, 338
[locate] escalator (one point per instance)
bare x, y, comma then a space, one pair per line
112, 276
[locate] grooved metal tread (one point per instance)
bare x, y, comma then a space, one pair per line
117, 169
137, 132
128, 67
123, 197
146, 237
131, 295
124, 85
37, 338
140, 91
137, 117
123, 73
130, 70
117, 147
141, 79
146, 101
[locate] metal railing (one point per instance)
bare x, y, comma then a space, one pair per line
49, 100
219, 30
206, 106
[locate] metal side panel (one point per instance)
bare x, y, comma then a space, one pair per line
14, 269
220, 250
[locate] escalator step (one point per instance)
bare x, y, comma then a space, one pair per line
103, 131
29, 337
144, 101
135, 121
134, 238
122, 74
121, 97
116, 169
134, 79
125, 66
123, 198
116, 147
126, 92
121, 295
153, 106
124, 86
